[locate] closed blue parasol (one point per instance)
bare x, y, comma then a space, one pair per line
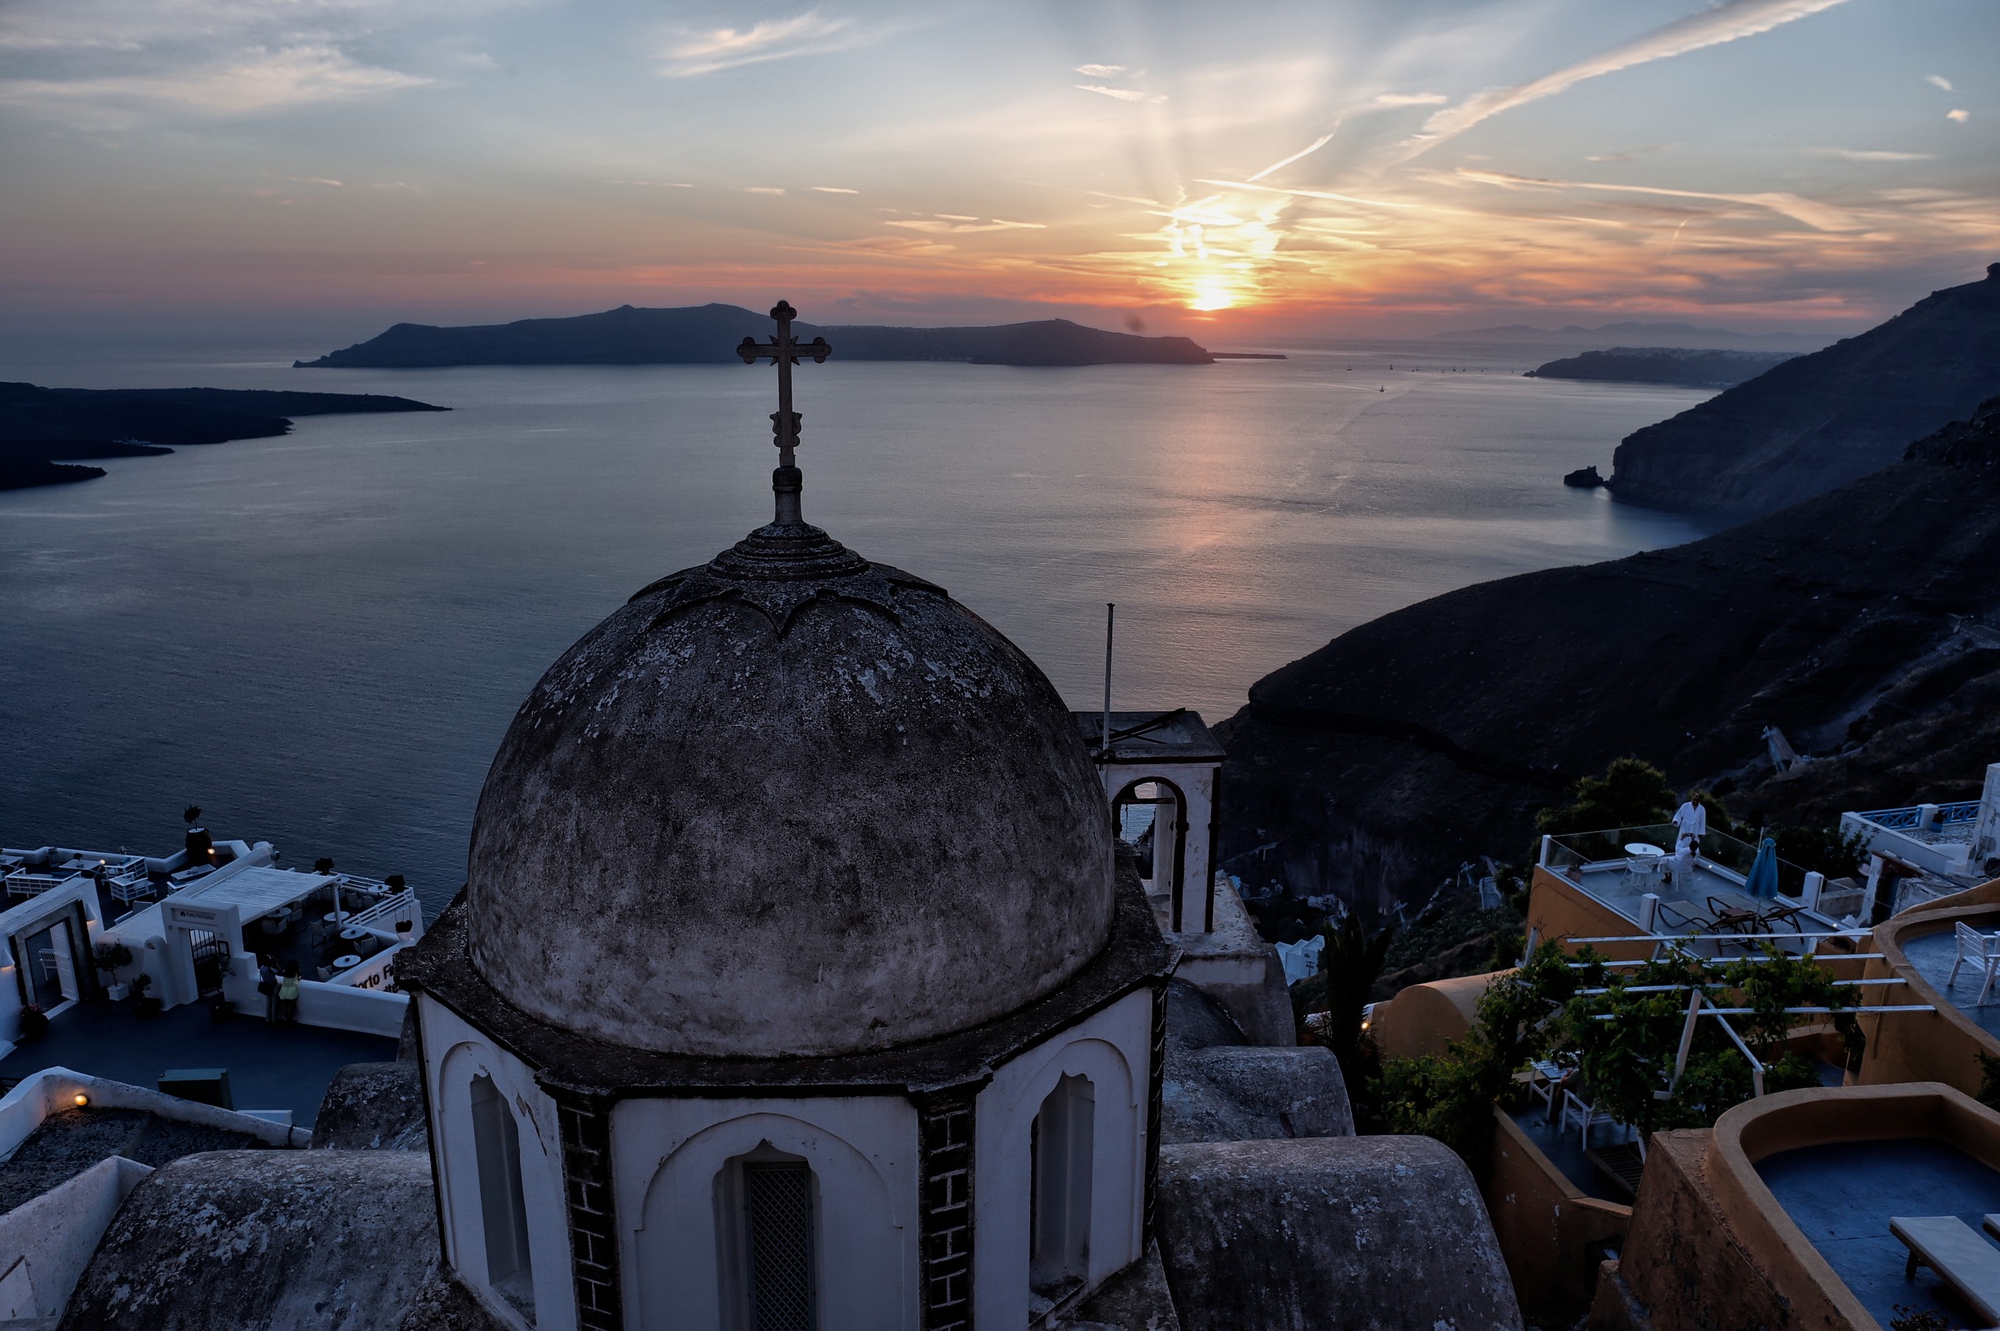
1763, 879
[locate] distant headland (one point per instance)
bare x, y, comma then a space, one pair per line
708, 334
43, 431
1688, 366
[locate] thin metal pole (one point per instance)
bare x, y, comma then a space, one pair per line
1110, 612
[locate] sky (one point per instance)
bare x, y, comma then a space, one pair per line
1275, 170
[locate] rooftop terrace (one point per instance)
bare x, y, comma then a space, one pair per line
1699, 897
1842, 1196
270, 1067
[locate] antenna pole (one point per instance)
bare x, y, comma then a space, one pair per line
1110, 611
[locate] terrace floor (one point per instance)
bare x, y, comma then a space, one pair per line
1621, 890
1843, 1195
1565, 1152
270, 1067
1931, 957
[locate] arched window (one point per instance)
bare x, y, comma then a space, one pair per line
1059, 1163
503, 1213
766, 1208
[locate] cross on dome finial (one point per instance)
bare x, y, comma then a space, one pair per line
785, 350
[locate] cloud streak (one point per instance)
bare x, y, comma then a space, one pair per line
717, 49
1818, 216
257, 80
1727, 22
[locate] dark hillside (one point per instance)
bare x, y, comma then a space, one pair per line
1823, 420
1865, 623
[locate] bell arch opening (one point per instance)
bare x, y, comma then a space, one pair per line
1151, 816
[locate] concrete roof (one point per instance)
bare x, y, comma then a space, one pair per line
1178, 736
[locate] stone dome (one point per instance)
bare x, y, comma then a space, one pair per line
788, 803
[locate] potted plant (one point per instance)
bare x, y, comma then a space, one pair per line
145, 1006
109, 955
34, 1022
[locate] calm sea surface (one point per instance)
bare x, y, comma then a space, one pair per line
321, 638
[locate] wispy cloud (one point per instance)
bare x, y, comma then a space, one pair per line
1306, 151
1960, 116
956, 224
1726, 22
832, 189
1819, 216
1938, 81
257, 80
653, 184
1122, 94
1100, 71
762, 189
305, 180
1870, 155
810, 33
1410, 99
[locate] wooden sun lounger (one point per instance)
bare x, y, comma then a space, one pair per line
1953, 1249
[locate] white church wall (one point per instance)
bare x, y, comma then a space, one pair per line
667, 1154
1111, 1049
455, 1053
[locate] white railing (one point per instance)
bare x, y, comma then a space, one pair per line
395, 909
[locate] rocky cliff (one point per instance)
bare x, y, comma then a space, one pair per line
1820, 421
1865, 623
709, 333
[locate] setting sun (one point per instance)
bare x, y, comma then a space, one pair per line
1213, 293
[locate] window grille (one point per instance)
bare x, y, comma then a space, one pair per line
779, 1197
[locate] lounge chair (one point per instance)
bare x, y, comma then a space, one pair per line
1953, 1249
1982, 950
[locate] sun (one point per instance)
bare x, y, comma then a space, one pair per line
1213, 293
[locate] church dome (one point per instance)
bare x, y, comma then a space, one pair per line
788, 803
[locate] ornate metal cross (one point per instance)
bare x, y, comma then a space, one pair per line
785, 350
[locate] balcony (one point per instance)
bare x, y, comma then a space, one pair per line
1936, 838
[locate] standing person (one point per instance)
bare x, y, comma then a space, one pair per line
1692, 820
288, 993
267, 985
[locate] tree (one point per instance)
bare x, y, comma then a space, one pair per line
1631, 793
1622, 1027
1351, 961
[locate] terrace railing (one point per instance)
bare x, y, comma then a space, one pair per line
1912, 818
1571, 853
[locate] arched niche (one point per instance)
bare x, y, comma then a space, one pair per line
1108, 1053
471, 1121
689, 1255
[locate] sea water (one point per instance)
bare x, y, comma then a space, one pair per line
321, 638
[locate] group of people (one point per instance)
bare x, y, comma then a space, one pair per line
280, 989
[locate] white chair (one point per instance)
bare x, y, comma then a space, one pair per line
1982, 950
1548, 1078
1577, 1109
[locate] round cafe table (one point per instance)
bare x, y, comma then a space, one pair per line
346, 963
1644, 850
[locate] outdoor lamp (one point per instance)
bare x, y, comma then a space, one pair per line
82, 1100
